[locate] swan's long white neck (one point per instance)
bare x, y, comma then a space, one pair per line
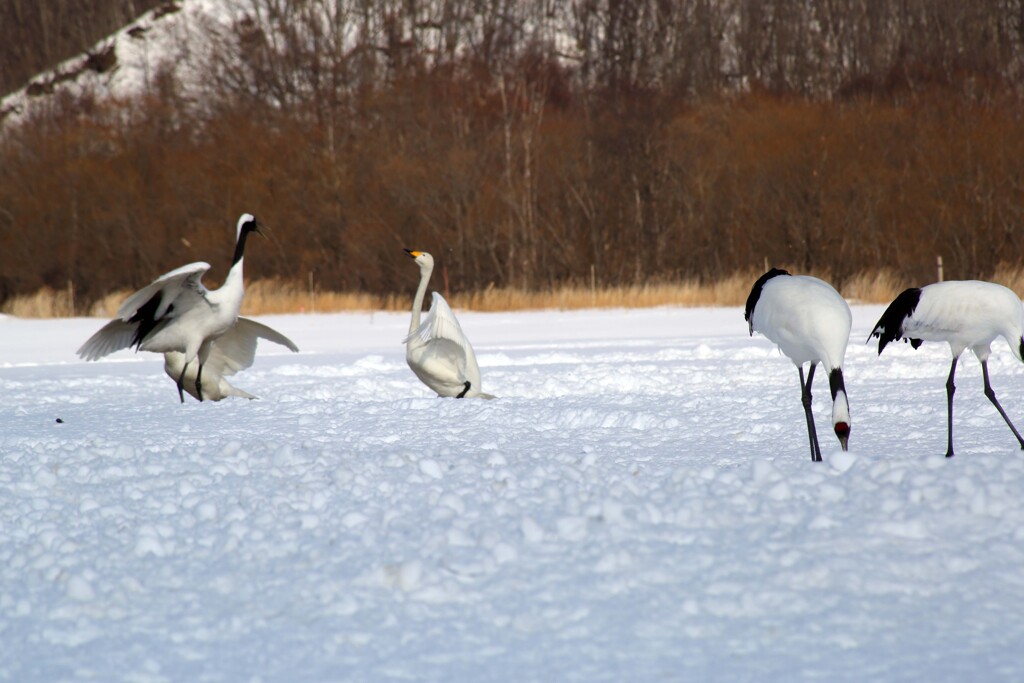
421, 292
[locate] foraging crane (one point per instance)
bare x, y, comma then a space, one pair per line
810, 322
436, 349
967, 314
232, 351
176, 312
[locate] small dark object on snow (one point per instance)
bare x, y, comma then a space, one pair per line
60, 421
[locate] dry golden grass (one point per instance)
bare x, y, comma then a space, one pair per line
728, 292
1010, 276
880, 286
46, 303
108, 305
272, 296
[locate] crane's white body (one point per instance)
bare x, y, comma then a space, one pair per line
810, 323
806, 317
966, 314
437, 350
176, 313
231, 352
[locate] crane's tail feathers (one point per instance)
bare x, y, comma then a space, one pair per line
883, 341
889, 327
114, 336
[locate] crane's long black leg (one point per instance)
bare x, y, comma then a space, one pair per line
950, 390
181, 383
463, 394
992, 397
805, 397
199, 382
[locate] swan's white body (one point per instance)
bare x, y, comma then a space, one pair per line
176, 313
436, 349
967, 314
232, 351
810, 322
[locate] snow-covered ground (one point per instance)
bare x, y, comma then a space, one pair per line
638, 504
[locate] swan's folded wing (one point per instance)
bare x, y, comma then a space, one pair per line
183, 281
440, 323
114, 336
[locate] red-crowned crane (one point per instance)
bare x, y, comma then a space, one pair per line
967, 314
810, 322
176, 312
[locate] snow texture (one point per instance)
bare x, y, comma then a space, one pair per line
638, 504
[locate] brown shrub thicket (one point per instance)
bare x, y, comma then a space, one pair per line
519, 172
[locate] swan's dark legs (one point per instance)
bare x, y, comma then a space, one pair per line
463, 394
805, 396
950, 390
992, 397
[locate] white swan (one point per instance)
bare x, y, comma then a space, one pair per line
176, 312
232, 351
436, 349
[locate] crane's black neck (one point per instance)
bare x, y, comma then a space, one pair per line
835, 382
247, 227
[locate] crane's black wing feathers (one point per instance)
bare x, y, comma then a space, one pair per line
889, 327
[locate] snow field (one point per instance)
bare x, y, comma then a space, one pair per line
638, 504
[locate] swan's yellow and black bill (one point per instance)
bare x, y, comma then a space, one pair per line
414, 254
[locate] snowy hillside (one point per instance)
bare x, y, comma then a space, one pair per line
637, 505
126, 63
